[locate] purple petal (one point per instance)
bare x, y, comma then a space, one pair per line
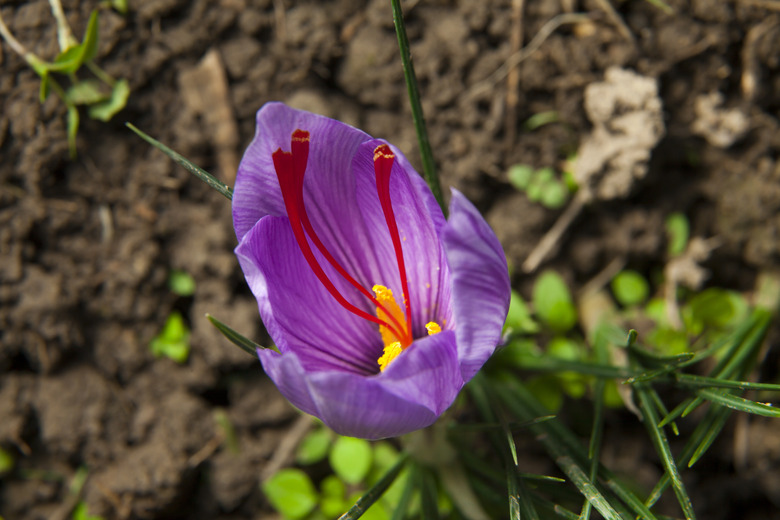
480, 283
420, 222
299, 313
333, 145
414, 390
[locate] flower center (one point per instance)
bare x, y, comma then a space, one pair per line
395, 326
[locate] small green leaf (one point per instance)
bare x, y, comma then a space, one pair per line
43, 93
375, 512
519, 316
677, 233
68, 61
541, 119
351, 459
173, 341
181, 283
105, 110
6, 461
90, 42
120, 6
334, 497
630, 288
86, 92
553, 303
73, 128
717, 308
520, 176
314, 447
80, 512
291, 492
554, 195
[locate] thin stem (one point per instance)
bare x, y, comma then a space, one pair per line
64, 35
15, 44
102, 75
429, 167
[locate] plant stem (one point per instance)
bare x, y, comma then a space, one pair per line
429, 167
64, 35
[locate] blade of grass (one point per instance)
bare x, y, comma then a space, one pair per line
376, 491
692, 380
199, 172
406, 495
553, 508
429, 167
700, 440
739, 403
558, 451
523, 403
661, 444
429, 495
520, 505
239, 340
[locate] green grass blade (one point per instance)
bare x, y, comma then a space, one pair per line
739, 403
525, 405
376, 491
692, 380
661, 407
429, 167
429, 495
399, 513
559, 451
239, 340
661, 444
700, 440
199, 172
549, 364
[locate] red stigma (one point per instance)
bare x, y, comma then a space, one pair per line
383, 167
290, 170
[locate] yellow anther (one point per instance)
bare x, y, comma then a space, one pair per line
432, 327
390, 353
385, 297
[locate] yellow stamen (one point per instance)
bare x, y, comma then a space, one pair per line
385, 297
390, 353
432, 327
393, 344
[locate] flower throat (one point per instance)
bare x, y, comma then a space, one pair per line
395, 325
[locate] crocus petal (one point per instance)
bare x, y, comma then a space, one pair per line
257, 192
297, 310
480, 283
414, 390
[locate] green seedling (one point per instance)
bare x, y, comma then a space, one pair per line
102, 95
540, 119
543, 185
173, 341
553, 303
181, 283
314, 447
80, 512
677, 233
351, 459
630, 288
292, 493
518, 319
7, 462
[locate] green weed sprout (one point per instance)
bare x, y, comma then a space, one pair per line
173, 341
102, 95
543, 185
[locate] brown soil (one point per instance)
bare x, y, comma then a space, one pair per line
86, 245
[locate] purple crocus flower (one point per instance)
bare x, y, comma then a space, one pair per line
381, 309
